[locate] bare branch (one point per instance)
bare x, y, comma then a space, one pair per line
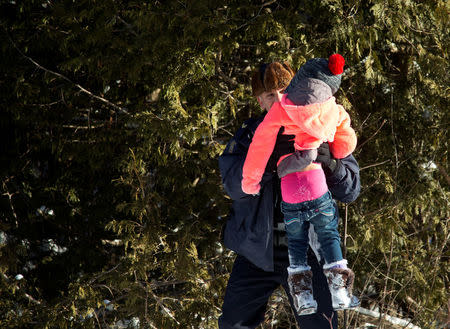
10, 195
27, 296
129, 27
268, 3
375, 164
81, 88
376, 132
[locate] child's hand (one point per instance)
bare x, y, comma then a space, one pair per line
326, 158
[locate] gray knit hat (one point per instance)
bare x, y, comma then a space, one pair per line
328, 71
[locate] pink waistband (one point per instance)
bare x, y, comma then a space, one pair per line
303, 186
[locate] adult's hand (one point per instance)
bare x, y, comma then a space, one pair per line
284, 145
326, 158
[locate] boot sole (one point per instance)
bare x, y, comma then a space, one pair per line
307, 311
349, 307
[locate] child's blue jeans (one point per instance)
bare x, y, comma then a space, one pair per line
322, 214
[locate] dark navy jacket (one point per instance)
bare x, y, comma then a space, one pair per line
249, 229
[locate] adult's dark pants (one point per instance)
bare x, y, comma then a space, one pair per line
249, 289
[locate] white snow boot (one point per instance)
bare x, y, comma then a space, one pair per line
300, 287
340, 282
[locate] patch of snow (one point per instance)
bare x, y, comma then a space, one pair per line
123, 324
29, 266
406, 323
132, 125
367, 326
429, 166
219, 248
386, 89
25, 243
43, 210
50, 245
108, 305
3, 238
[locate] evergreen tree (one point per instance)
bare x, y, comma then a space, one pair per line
113, 116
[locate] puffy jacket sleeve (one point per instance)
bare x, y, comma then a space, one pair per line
232, 160
345, 138
260, 150
344, 182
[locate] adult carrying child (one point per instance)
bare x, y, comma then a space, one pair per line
309, 111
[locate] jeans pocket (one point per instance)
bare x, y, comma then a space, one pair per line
292, 222
326, 217
329, 212
293, 226
327, 209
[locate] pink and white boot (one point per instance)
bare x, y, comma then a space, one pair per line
340, 281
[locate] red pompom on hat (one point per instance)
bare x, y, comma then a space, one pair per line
336, 64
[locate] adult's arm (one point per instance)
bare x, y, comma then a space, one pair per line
231, 162
343, 182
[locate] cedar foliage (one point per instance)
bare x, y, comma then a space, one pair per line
114, 113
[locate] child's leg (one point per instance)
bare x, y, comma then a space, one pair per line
300, 275
340, 278
325, 224
297, 233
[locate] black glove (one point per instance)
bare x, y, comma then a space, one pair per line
283, 145
326, 159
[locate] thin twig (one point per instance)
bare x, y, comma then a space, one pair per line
10, 195
27, 296
362, 124
81, 88
345, 255
159, 301
375, 164
389, 263
129, 26
394, 137
48, 104
329, 319
217, 60
103, 274
83, 127
98, 321
376, 132
268, 3
382, 274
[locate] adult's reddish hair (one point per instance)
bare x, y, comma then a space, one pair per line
273, 76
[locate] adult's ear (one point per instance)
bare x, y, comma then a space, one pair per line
259, 99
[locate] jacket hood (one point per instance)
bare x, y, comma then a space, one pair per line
309, 91
318, 119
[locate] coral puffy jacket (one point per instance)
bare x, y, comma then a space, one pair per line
311, 124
